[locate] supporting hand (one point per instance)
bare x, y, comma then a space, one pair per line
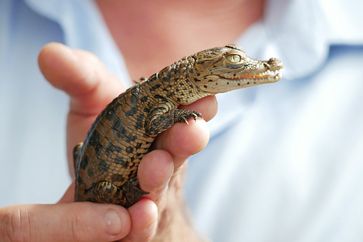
91, 87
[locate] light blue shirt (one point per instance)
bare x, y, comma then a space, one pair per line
284, 162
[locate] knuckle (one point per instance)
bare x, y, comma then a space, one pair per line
90, 57
79, 227
15, 225
93, 59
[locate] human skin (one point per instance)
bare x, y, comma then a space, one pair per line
161, 170
161, 215
90, 87
153, 34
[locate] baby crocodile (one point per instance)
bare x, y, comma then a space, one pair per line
106, 162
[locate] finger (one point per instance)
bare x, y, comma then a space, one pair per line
81, 75
85, 79
64, 222
207, 106
154, 173
144, 219
184, 140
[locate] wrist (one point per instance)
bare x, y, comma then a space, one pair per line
175, 225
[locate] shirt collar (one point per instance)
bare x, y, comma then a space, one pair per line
343, 21
300, 32
297, 31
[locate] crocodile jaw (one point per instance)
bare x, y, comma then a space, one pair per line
224, 82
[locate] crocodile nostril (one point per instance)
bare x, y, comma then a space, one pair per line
275, 63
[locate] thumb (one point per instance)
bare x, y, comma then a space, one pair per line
64, 222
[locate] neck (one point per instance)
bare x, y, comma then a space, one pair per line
153, 34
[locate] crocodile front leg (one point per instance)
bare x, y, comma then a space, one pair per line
128, 194
160, 122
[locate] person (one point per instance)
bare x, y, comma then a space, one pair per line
283, 162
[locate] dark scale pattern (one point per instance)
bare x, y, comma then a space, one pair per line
113, 150
121, 161
90, 172
84, 163
118, 178
118, 126
103, 166
95, 141
140, 121
131, 112
129, 149
144, 99
107, 162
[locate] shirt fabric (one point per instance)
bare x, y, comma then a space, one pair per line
284, 162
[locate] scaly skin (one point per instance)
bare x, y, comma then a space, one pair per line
107, 161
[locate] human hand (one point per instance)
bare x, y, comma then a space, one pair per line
64, 222
91, 87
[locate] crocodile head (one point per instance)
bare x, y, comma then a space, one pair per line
223, 69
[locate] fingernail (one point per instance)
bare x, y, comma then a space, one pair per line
113, 222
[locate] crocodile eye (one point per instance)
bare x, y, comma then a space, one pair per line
234, 58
